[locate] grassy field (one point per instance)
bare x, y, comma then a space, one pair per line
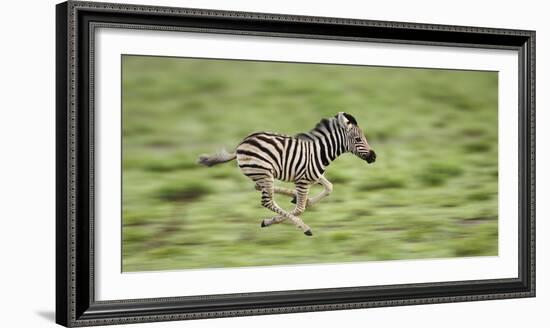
432, 192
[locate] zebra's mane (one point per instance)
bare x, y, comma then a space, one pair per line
321, 125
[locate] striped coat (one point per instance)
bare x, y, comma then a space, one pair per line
302, 159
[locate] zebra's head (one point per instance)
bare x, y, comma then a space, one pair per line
357, 142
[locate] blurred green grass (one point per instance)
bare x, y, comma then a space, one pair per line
431, 194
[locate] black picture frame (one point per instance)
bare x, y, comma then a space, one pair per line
75, 302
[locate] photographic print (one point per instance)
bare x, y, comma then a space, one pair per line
241, 163
217, 164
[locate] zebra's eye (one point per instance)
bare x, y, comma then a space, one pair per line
358, 139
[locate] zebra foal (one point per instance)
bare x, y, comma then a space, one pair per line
302, 159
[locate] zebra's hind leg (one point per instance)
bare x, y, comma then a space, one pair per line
278, 219
302, 190
274, 220
267, 190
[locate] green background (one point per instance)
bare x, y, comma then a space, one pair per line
432, 192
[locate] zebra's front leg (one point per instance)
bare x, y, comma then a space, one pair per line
302, 190
282, 191
268, 202
328, 189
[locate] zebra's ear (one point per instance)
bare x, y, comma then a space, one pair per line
346, 120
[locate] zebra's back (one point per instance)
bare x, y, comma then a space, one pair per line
264, 153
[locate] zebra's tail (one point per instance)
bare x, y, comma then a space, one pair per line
220, 157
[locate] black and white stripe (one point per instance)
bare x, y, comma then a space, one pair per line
302, 159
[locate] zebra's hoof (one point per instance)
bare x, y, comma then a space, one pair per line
263, 225
293, 201
308, 233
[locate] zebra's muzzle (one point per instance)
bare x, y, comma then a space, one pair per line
370, 157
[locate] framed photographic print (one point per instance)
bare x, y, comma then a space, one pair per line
215, 163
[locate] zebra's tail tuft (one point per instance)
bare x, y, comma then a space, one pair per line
220, 157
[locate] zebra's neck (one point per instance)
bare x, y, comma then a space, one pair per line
330, 138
